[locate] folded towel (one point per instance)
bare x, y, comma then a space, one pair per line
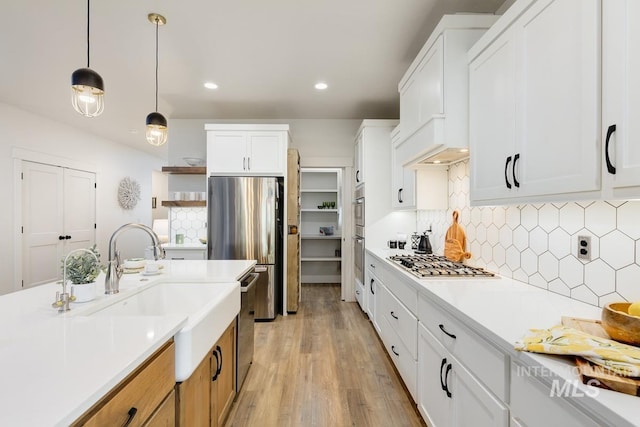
620, 358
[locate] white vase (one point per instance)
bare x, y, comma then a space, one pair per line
85, 292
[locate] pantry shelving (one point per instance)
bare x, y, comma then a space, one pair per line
320, 197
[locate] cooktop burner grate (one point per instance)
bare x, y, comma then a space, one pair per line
436, 265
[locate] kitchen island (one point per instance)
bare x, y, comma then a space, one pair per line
463, 332
55, 366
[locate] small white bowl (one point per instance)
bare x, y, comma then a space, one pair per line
194, 161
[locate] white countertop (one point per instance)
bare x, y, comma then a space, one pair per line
503, 310
56, 366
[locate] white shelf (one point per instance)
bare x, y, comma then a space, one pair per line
318, 210
330, 190
320, 236
322, 259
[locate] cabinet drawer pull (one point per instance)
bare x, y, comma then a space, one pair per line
60, 237
393, 314
357, 176
215, 375
393, 348
400, 196
132, 413
441, 326
446, 376
506, 168
610, 168
513, 171
219, 368
357, 292
371, 286
442, 384
372, 266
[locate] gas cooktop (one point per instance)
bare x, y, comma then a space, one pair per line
435, 265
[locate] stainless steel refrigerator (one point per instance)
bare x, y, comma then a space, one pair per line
245, 222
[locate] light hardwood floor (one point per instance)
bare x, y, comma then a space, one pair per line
323, 366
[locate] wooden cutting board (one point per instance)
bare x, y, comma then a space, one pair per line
455, 242
595, 375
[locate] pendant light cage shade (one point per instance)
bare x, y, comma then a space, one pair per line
156, 123
156, 129
87, 87
87, 92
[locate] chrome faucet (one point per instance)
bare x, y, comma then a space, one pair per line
63, 299
114, 268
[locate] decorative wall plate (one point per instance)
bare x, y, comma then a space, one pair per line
128, 193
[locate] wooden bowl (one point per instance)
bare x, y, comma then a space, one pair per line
619, 324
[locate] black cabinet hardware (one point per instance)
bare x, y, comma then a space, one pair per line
400, 196
610, 168
67, 237
371, 286
446, 376
394, 315
132, 413
215, 375
357, 176
506, 168
441, 326
60, 237
393, 348
442, 384
219, 368
513, 171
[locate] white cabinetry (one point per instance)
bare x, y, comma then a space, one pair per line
531, 405
434, 109
403, 190
321, 254
247, 149
621, 97
373, 278
534, 90
182, 253
359, 161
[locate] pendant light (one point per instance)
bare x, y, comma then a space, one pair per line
87, 87
156, 122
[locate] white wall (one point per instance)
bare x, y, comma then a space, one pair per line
111, 162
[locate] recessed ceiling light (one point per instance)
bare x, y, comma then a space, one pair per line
211, 85
321, 86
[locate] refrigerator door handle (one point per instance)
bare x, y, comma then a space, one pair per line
260, 269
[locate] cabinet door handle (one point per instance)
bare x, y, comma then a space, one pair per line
400, 195
132, 413
441, 326
513, 171
357, 292
372, 265
67, 237
248, 163
371, 286
393, 348
610, 168
357, 176
244, 163
506, 168
446, 376
442, 384
394, 315
60, 237
219, 368
215, 375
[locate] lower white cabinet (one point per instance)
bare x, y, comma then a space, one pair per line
371, 287
533, 406
401, 356
360, 295
448, 394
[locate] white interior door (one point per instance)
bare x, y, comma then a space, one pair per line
79, 209
42, 219
58, 215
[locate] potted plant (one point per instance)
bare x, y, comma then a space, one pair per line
81, 267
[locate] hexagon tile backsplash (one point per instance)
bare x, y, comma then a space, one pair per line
192, 222
538, 244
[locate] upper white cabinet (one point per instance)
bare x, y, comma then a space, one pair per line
534, 102
434, 92
247, 149
359, 161
621, 97
403, 188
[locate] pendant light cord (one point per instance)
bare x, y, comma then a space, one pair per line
157, 19
88, 23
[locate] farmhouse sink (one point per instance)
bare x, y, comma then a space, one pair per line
209, 308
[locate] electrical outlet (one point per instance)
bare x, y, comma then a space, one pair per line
584, 248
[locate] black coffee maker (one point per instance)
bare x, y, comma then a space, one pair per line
424, 246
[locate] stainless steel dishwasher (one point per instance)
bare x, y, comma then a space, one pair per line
246, 319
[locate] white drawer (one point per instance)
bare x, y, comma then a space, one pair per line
406, 365
405, 292
179, 254
375, 266
532, 406
488, 364
400, 319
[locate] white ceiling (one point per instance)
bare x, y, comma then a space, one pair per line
266, 55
